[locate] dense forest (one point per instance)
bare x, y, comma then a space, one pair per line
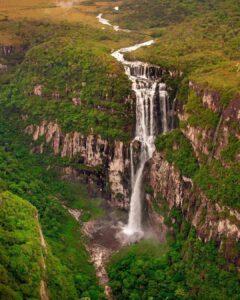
77, 127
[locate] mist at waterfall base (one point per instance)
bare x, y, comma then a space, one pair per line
149, 90
151, 95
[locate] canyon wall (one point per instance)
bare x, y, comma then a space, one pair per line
211, 142
103, 164
211, 220
169, 189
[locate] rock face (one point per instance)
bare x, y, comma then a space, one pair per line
212, 141
212, 221
103, 162
169, 189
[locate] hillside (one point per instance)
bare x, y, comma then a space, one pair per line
120, 149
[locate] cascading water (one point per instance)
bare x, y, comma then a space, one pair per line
151, 94
148, 89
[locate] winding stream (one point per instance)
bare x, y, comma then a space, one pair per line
153, 116
148, 90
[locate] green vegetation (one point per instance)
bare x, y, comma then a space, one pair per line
179, 151
70, 275
200, 116
66, 69
20, 249
186, 269
221, 184
200, 38
69, 60
232, 149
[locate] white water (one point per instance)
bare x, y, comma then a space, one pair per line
146, 85
106, 22
145, 89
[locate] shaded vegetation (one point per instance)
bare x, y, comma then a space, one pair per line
186, 269
70, 275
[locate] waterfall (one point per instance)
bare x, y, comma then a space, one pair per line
153, 115
151, 94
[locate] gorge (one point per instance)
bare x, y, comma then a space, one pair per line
119, 169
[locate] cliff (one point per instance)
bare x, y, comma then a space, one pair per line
211, 220
197, 181
220, 121
101, 163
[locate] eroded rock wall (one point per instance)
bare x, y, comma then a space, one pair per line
107, 161
212, 141
211, 220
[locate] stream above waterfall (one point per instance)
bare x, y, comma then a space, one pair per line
153, 116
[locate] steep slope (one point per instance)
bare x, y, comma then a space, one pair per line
69, 273
60, 86
22, 254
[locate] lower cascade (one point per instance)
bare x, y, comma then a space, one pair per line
153, 115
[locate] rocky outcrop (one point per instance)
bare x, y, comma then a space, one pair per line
38, 90
211, 141
210, 98
101, 160
211, 220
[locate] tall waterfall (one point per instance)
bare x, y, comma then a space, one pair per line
151, 104
153, 115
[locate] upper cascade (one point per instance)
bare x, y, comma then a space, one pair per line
153, 115
145, 71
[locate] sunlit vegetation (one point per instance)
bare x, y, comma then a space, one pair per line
73, 68
66, 52
201, 38
20, 249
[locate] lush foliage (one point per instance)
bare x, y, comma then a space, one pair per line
198, 37
69, 272
20, 249
179, 151
67, 69
200, 116
189, 269
221, 184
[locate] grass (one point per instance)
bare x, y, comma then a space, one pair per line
200, 116
201, 40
